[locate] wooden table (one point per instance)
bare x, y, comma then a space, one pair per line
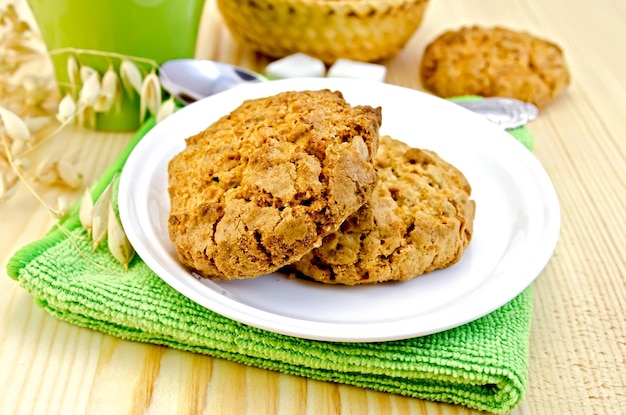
578, 340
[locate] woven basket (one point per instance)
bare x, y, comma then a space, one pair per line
363, 30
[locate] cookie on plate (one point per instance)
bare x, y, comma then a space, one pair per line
264, 184
419, 218
494, 62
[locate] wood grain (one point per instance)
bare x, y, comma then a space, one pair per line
578, 339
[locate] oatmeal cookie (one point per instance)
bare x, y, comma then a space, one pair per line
494, 62
419, 219
264, 184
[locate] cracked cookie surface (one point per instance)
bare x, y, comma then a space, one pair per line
494, 62
419, 218
264, 184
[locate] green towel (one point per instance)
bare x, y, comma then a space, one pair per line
482, 365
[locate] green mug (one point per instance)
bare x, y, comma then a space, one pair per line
153, 30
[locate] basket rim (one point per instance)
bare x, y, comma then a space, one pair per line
328, 2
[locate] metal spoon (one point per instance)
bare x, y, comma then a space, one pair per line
192, 79
505, 112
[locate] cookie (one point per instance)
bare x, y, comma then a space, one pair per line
264, 184
494, 62
419, 218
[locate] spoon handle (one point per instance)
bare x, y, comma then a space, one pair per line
505, 112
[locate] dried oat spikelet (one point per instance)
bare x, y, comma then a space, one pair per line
63, 207
90, 90
87, 117
56, 171
166, 109
85, 72
109, 91
117, 241
86, 211
150, 96
36, 93
73, 73
46, 172
7, 186
14, 127
99, 216
67, 109
69, 174
131, 78
36, 123
17, 146
22, 163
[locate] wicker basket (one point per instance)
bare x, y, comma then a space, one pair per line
364, 30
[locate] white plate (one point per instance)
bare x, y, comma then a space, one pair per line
515, 230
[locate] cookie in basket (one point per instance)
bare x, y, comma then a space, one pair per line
419, 218
264, 184
494, 62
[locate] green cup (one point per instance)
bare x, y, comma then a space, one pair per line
154, 30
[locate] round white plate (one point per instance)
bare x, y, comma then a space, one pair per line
515, 231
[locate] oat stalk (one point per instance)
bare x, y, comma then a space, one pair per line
120, 56
29, 101
57, 214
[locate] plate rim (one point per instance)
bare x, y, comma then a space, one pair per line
336, 331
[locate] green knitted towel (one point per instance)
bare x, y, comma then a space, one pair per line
482, 365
